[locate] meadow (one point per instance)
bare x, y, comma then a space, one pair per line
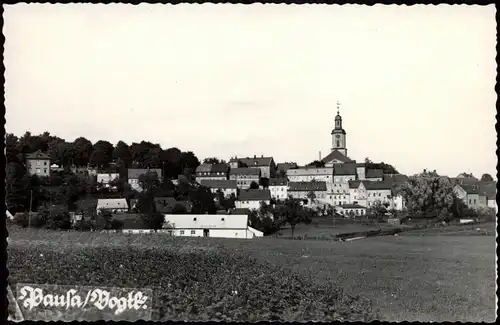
422, 277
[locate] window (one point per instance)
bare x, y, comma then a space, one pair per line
221, 219
474, 201
193, 232
470, 201
357, 211
45, 171
38, 162
38, 170
182, 232
194, 219
379, 194
338, 143
45, 163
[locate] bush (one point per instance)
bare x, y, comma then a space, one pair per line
83, 225
485, 214
23, 220
217, 285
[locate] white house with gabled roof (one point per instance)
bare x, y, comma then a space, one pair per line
210, 225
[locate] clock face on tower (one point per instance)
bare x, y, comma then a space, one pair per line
337, 136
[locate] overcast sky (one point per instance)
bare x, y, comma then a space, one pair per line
416, 84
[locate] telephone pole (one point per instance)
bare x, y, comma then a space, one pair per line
31, 204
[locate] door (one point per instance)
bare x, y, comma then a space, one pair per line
206, 232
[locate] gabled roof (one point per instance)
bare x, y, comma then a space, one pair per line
278, 182
204, 168
374, 173
112, 203
344, 169
374, 186
303, 171
245, 171
470, 188
354, 184
306, 186
337, 155
218, 183
255, 195
217, 168
38, 155
240, 211
134, 173
255, 161
286, 166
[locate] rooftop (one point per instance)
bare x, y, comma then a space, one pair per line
307, 186
245, 171
38, 155
255, 161
374, 173
278, 182
344, 169
218, 183
335, 155
255, 195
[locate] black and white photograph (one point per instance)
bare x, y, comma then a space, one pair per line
245, 163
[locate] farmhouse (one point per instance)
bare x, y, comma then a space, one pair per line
266, 165
211, 171
112, 205
251, 199
302, 190
469, 194
244, 176
348, 210
278, 188
38, 163
308, 174
210, 225
226, 186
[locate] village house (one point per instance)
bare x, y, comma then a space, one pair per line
308, 174
211, 171
135, 173
266, 165
210, 225
251, 199
378, 191
278, 188
244, 176
469, 194
301, 190
112, 205
488, 189
38, 163
226, 186
342, 175
104, 180
351, 210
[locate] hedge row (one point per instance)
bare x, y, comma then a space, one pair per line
195, 285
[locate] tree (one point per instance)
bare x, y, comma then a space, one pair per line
122, 152
189, 160
82, 150
18, 188
311, 196
56, 216
427, 194
102, 154
149, 181
295, 214
316, 164
153, 220
103, 220
254, 185
264, 181
213, 160
368, 161
376, 211
202, 200
487, 177
12, 152
387, 168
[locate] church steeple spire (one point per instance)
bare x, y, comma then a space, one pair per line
339, 134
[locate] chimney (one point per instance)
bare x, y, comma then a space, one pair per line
261, 156
254, 156
320, 156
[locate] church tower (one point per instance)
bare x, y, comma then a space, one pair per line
338, 135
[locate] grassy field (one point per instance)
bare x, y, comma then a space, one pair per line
414, 278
